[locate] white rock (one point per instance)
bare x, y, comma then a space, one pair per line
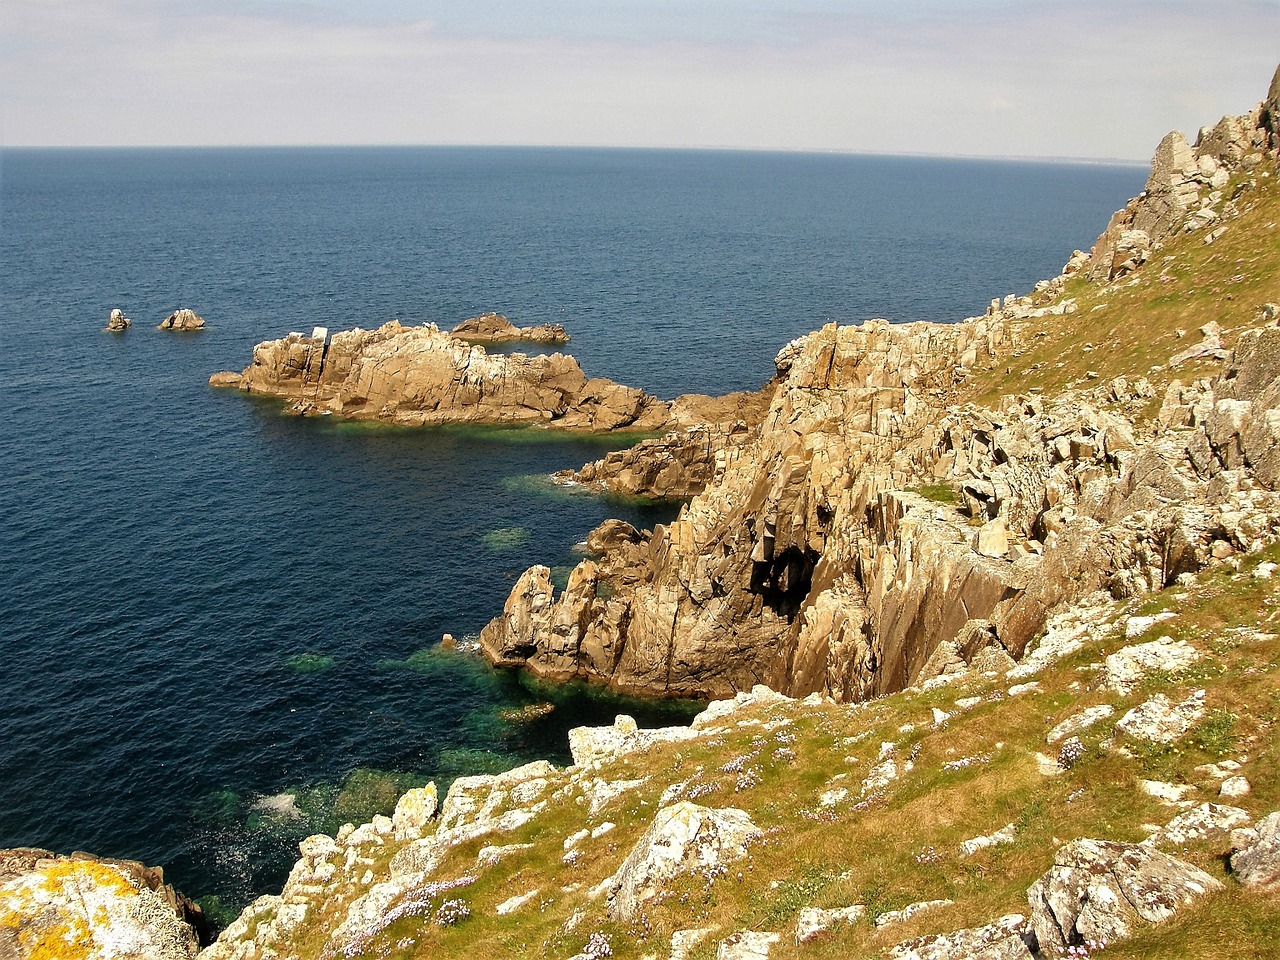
1168, 793
1136, 626
684, 838
1018, 689
513, 904
1006, 939
906, 913
747, 945
574, 839
1004, 835
1234, 787
1199, 823
1080, 721
1256, 861
1126, 668
1160, 721
601, 830
813, 920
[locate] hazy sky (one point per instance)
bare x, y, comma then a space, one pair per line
1090, 78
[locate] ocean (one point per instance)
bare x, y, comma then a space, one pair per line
219, 624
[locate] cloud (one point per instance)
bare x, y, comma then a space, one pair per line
1093, 79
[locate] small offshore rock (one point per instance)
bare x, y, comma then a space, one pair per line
118, 322
182, 319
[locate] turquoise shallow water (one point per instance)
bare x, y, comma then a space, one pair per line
204, 603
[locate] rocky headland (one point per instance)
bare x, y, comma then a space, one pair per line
422, 375
1017, 580
495, 328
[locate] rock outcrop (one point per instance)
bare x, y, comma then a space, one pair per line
182, 319
495, 328
877, 528
679, 464
1099, 892
1188, 188
118, 322
421, 375
85, 907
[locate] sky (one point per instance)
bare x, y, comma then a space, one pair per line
1086, 79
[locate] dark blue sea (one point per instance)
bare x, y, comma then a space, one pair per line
205, 604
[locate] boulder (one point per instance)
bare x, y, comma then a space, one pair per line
414, 811
118, 322
683, 839
747, 945
182, 319
1100, 892
1206, 822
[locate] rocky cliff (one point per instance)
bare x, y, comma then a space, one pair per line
880, 526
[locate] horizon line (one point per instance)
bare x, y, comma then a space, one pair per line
807, 151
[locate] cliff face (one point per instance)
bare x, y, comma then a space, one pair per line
879, 528
421, 375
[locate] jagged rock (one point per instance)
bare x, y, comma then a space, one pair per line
1161, 721
118, 322
495, 328
1099, 892
421, 375
684, 838
747, 945
414, 811
182, 319
1256, 859
814, 920
1080, 721
1006, 939
83, 907
611, 535
1126, 668
592, 746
